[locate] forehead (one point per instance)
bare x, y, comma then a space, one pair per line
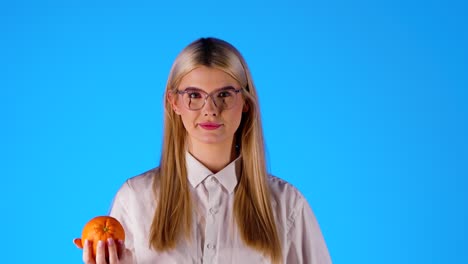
207, 79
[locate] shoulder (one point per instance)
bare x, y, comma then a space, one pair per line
142, 180
288, 202
138, 184
134, 199
284, 191
284, 195
136, 194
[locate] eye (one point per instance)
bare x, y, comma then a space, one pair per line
194, 95
223, 94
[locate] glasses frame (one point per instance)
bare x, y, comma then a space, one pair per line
206, 95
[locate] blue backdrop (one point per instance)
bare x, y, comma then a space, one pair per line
364, 105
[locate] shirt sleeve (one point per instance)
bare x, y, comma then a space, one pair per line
307, 244
119, 210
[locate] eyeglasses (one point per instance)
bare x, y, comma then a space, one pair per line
195, 99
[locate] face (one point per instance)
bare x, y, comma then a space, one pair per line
211, 124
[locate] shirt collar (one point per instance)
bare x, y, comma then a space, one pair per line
228, 176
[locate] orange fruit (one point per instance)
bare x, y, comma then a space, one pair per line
101, 228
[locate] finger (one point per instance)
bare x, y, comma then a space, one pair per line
112, 247
78, 243
101, 253
127, 256
120, 248
88, 253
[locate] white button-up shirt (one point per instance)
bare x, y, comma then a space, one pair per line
215, 235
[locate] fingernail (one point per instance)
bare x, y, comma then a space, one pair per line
86, 243
100, 243
110, 241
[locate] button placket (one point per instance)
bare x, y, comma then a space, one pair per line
211, 228
213, 210
210, 246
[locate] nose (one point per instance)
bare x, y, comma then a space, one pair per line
210, 108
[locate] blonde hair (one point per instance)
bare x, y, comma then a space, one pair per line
252, 202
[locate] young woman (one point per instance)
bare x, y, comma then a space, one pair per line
211, 199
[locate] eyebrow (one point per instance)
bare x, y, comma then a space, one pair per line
191, 88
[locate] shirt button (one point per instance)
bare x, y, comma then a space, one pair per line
213, 211
210, 246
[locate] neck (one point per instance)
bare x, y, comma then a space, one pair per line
214, 156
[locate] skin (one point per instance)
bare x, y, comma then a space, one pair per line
118, 254
213, 148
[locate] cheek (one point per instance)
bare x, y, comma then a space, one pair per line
235, 117
188, 118
180, 107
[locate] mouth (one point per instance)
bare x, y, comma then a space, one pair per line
209, 125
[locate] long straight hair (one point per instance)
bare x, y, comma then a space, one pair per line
252, 201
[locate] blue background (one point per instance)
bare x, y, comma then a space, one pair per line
364, 105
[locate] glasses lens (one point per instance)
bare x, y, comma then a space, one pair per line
194, 99
225, 99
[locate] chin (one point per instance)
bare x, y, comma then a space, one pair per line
211, 139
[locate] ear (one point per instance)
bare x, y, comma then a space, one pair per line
172, 100
245, 108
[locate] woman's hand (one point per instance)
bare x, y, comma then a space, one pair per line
118, 254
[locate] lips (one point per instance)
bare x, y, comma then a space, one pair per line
209, 125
